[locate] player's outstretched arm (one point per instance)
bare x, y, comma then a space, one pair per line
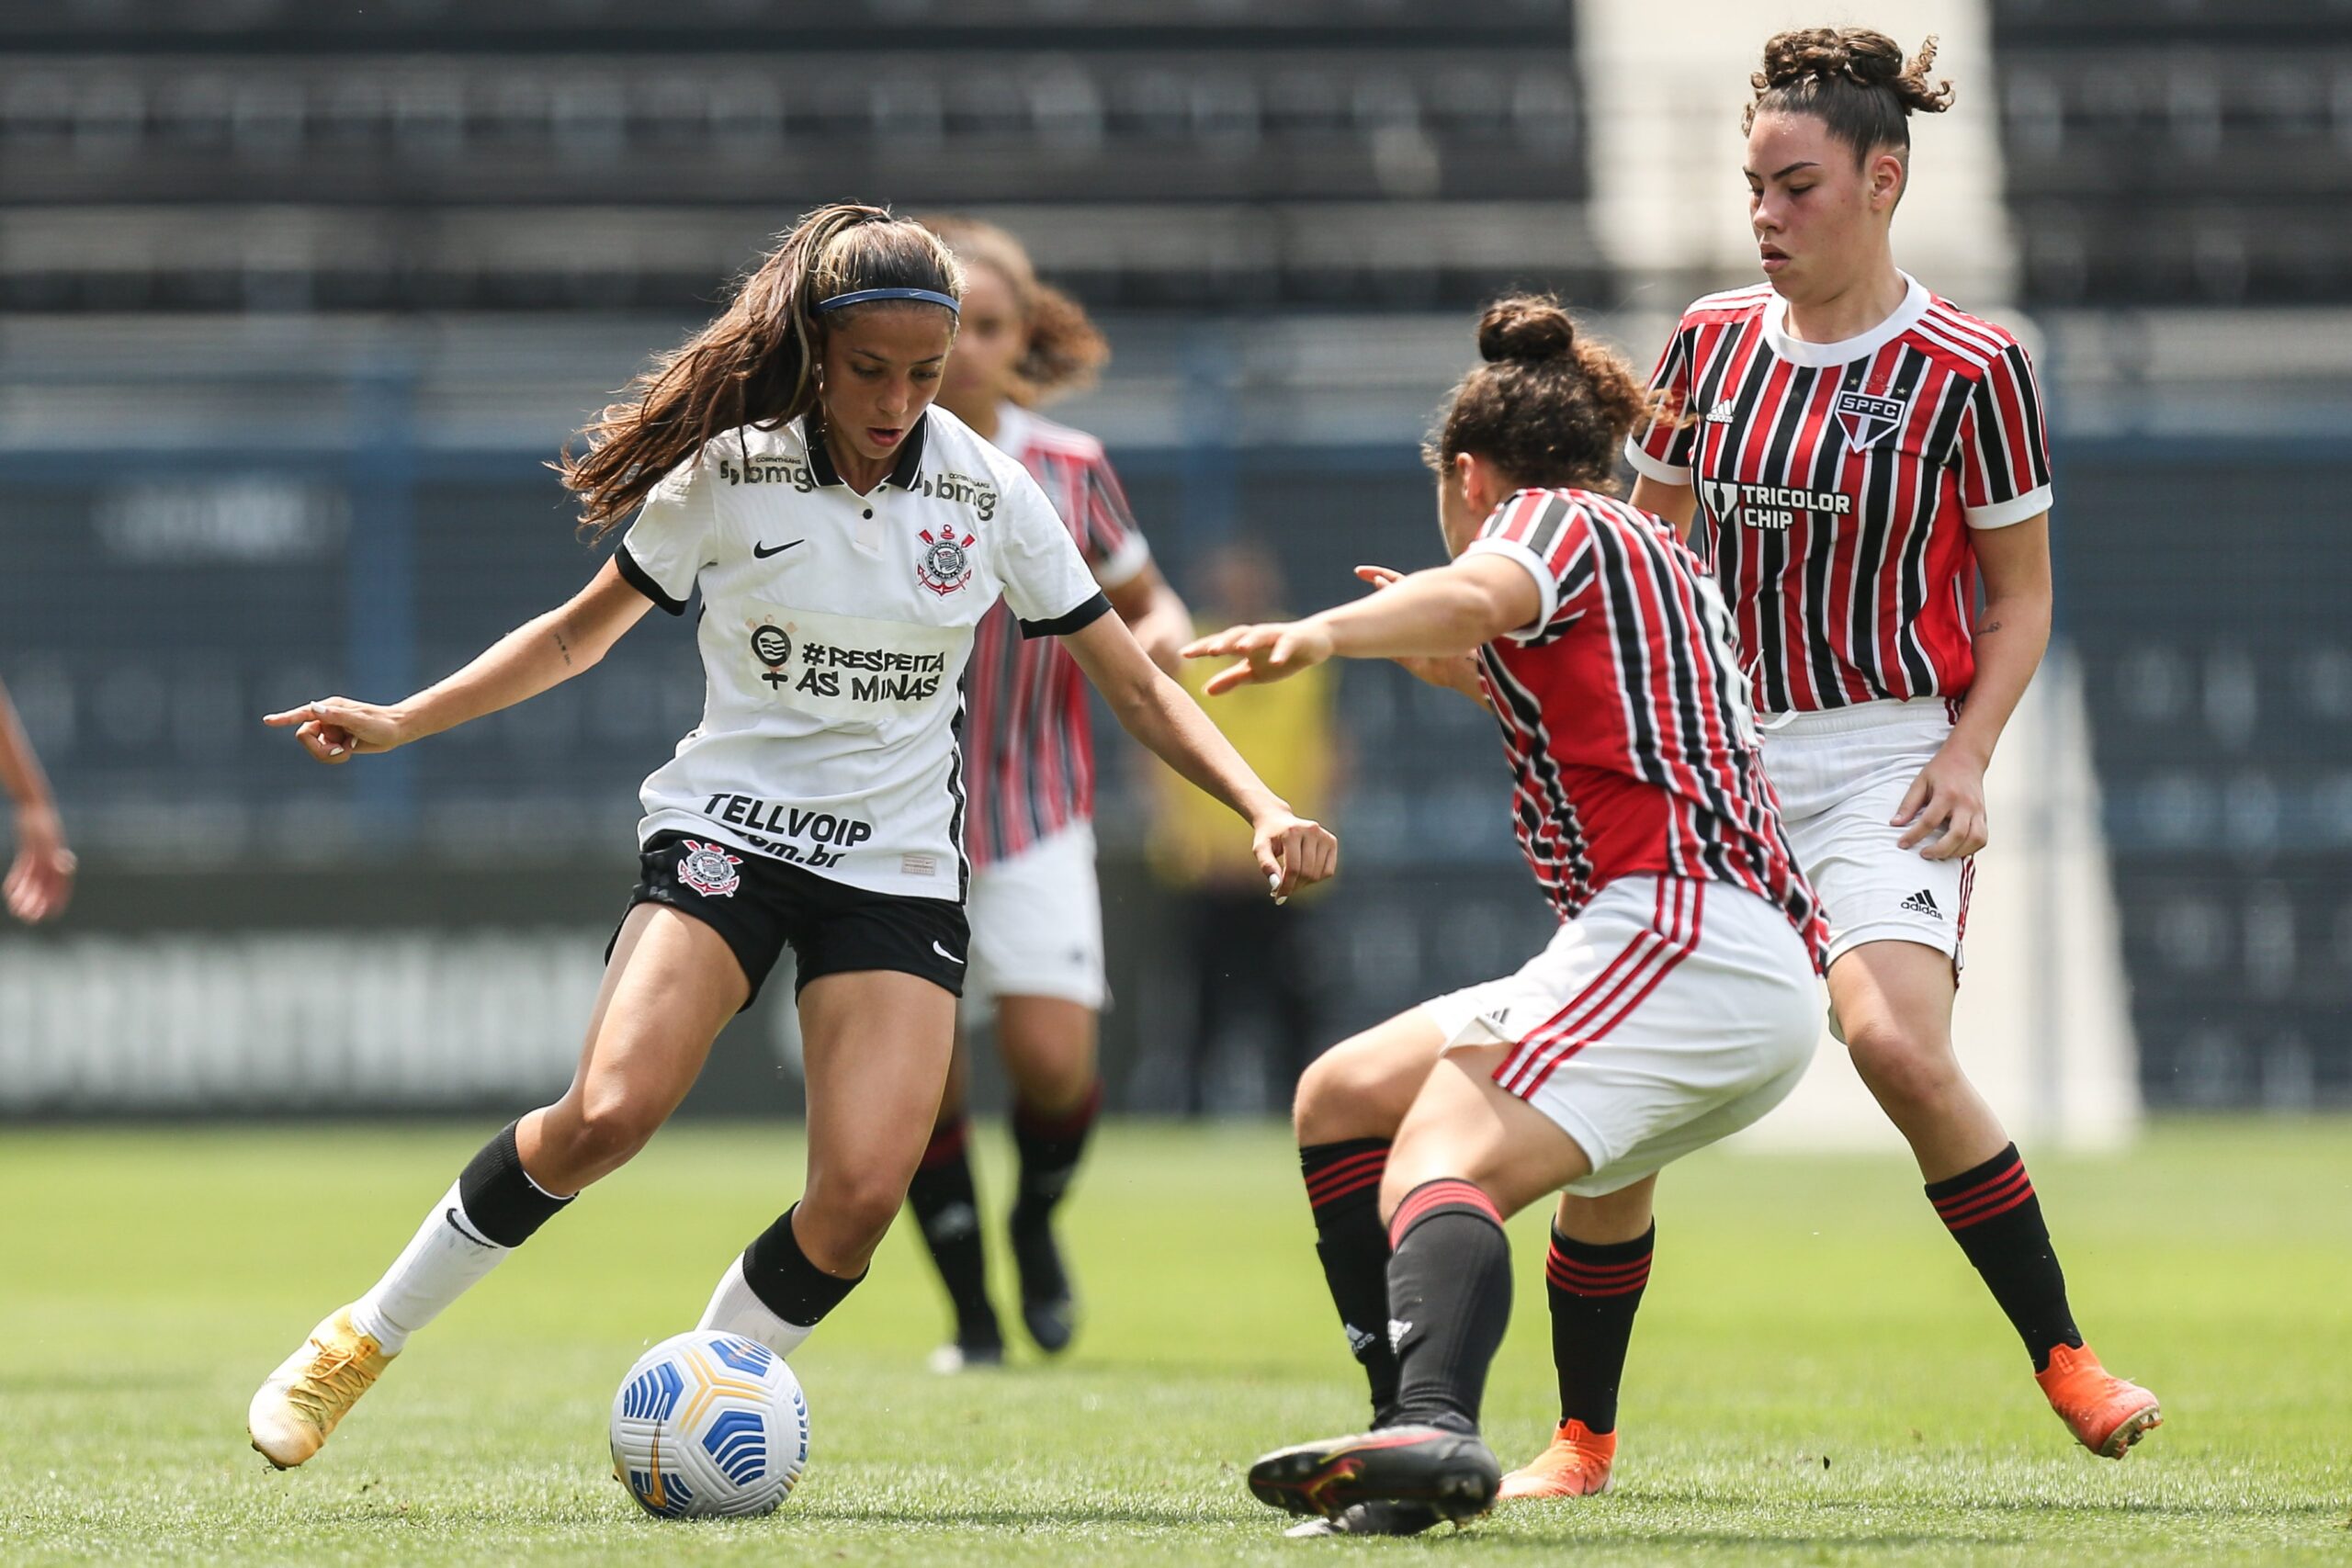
40, 879
1448, 672
545, 651
1445, 612
1291, 851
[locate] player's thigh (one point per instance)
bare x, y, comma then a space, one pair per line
1463, 1126
1363, 1087
1895, 994
874, 1049
1048, 1045
669, 985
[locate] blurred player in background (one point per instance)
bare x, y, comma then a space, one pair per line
1036, 906
40, 879
1245, 957
1677, 1003
1859, 456
845, 539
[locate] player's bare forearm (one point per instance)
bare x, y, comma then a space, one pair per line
21, 771
1677, 505
1445, 610
2012, 633
1164, 716
1156, 615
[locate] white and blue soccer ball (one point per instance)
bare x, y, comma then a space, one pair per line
709, 1425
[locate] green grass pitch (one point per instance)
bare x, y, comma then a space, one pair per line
1816, 1377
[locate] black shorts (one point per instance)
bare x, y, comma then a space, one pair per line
758, 905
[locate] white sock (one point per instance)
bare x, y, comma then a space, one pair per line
446, 1258
733, 1309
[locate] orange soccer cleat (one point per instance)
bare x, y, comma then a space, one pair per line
1575, 1464
2106, 1414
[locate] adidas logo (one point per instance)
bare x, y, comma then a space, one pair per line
1720, 413
1358, 1340
1923, 903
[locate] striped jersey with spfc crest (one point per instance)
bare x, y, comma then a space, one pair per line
1632, 746
1028, 743
1839, 486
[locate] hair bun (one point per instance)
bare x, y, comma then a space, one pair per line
1823, 54
1526, 327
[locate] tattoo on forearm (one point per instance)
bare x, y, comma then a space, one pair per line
561, 647
1988, 629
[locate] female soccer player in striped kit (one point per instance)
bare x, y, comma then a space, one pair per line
845, 538
1859, 456
1037, 911
1675, 1005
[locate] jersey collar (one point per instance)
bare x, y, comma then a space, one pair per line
906, 476
1906, 316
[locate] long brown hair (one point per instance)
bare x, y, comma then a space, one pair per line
1063, 350
1548, 408
756, 362
1853, 80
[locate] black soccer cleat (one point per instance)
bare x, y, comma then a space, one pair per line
1369, 1519
1049, 1309
1453, 1474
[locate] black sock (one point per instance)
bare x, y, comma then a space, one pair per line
1050, 1146
502, 1200
786, 1282
1343, 1187
1594, 1288
1993, 1213
947, 1206
1449, 1294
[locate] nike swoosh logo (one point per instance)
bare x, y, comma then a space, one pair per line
764, 551
944, 953
460, 1227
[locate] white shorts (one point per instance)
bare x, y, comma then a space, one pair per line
1672, 1012
1840, 776
1036, 924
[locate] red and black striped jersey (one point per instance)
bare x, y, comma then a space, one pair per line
1028, 744
1839, 484
1632, 746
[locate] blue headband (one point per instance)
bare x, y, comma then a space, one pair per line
867, 296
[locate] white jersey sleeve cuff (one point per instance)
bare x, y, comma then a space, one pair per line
1125, 563
1649, 468
1547, 587
2002, 514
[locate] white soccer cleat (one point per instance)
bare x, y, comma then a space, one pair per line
312, 1390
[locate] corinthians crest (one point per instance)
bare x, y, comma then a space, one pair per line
709, 869
946, 564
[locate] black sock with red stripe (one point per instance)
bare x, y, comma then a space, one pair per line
1050, 1145
1449, 1299
946, 1205
1595, 1289
1993, 1213
1343, 1187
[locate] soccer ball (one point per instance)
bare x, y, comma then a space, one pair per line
708, 1424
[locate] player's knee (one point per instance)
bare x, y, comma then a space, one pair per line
1902, 1065
1337, 1097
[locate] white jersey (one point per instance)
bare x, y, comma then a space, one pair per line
834, 634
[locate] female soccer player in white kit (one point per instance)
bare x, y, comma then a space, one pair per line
1859, 456
845, 538
1036, 909
1675, 1005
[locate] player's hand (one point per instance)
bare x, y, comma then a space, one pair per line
1944, 808
336, 729
1293, 852
1451, 671
1267, 654
40, 883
